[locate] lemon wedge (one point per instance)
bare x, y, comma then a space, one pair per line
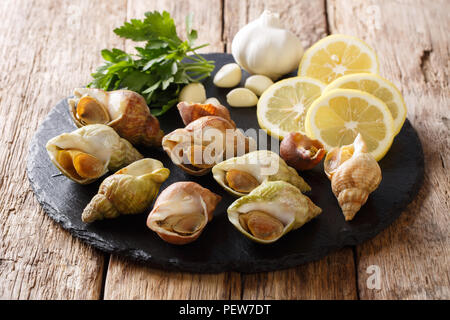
339, 115
337, 55
283, 106
380, 88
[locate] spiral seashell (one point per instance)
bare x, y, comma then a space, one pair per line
354, 174
128, 191
123, 110
192, 111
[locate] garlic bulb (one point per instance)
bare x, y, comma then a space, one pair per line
264, 47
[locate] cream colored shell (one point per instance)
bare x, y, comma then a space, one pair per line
281, 200
128, 191
264, 165
354, 174
98, 140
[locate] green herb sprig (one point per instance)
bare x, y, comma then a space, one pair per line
156, 71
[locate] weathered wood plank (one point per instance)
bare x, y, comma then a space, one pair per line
127, 280
334, 276
47, 49
411, 39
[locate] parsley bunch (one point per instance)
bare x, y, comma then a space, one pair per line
157, 71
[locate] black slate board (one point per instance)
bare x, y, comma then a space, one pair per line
221, 247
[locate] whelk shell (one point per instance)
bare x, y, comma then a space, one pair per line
354, 174
182, 211
123, 110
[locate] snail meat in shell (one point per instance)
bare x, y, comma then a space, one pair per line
128, 191
123, 110
354, 174
240, 175
182, 211
271, 210
87, 153
301, 152
192, 111
205, 142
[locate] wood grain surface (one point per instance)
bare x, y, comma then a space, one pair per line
47, 48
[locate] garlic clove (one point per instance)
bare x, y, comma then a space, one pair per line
242, 97
214, 101
228, 76
193, 92
258, 83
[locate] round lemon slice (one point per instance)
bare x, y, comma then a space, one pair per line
337, 55
283, 106
338, 116
380, 88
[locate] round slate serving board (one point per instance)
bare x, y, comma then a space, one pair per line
221, 247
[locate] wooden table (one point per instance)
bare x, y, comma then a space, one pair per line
49, 47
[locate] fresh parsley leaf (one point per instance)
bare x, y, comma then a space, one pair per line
160, 68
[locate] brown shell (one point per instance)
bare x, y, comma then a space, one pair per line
135, 123
170, 142
190, 112
296, 150
190, 188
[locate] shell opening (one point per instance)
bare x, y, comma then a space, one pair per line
241, 181
90, 111
261, 225
80, 164
184, 225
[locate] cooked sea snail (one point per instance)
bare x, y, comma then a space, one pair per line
128, 191
354, 174
123, 110
205, 142
182, 211
89, 152
271, 210
192, 111
301, 152
240, 175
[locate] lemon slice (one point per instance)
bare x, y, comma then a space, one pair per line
380, 88
282, 107
337, 55
339, 115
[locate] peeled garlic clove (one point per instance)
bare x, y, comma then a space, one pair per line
214, 101
258, 83
193, 92
90, 111
228, 76
242, 97
241, 181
